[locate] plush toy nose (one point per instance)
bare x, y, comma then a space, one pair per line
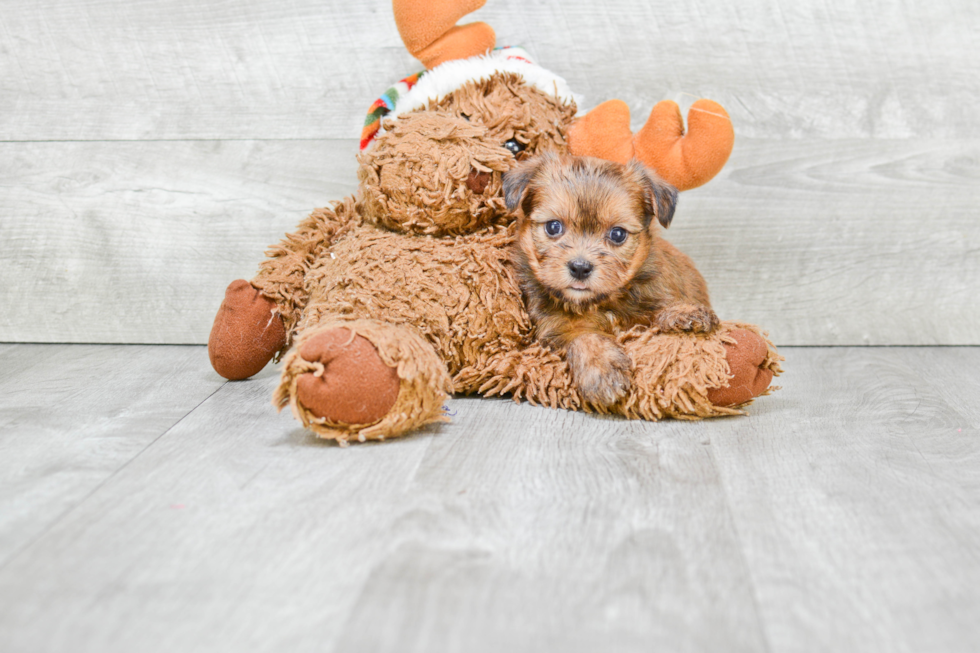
580, 268
478, 181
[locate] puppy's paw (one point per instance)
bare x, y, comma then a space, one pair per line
687, 317
600, 367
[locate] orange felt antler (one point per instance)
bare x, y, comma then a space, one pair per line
428, 29
684, 160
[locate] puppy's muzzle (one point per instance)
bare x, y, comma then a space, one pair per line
580, 269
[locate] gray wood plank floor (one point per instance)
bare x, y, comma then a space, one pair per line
147, 505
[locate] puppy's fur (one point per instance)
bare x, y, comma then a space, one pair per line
592, 264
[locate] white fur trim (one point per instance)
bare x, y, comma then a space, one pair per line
446, 78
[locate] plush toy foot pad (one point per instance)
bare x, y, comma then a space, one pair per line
246, 334
750, 378
354, 387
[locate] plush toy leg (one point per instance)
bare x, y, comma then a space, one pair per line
686, 161
363, 380
246, 334
428, 29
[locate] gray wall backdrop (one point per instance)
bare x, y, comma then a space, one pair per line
151, 150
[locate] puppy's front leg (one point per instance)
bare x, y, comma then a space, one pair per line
600, 367
687, 317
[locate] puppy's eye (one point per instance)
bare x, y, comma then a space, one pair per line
617, 235
514, 147
554, 228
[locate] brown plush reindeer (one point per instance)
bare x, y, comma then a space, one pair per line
390, 299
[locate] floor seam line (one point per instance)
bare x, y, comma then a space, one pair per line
47, 529
763, 626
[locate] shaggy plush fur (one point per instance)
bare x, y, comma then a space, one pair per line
673, 374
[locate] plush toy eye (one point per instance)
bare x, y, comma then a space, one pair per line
618, 235
554, 228
514, 147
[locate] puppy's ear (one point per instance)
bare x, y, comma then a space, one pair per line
518, 192
659, 197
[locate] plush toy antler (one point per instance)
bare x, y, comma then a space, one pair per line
428, 29
684, 160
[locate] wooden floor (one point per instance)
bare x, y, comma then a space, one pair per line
147, 505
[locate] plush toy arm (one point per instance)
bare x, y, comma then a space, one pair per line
691, 376
536, 374
684, 376
256, 319
684, 160
428, 29
282, 275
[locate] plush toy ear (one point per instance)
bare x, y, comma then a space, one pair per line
518, 191
659, 197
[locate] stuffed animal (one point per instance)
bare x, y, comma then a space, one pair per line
392, 299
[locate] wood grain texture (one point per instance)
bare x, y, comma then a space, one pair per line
155, 149
540, 530
842, 242
179, 69
236, 531
136, 242
842, 514
856, 493
71, 417
821, 242
514, 527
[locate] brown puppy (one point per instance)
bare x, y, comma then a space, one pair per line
592, 264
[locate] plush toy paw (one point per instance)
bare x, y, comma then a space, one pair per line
750, 378
246, 334
354, 386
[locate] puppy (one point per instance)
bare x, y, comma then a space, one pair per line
591, 263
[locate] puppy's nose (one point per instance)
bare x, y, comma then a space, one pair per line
580, 268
